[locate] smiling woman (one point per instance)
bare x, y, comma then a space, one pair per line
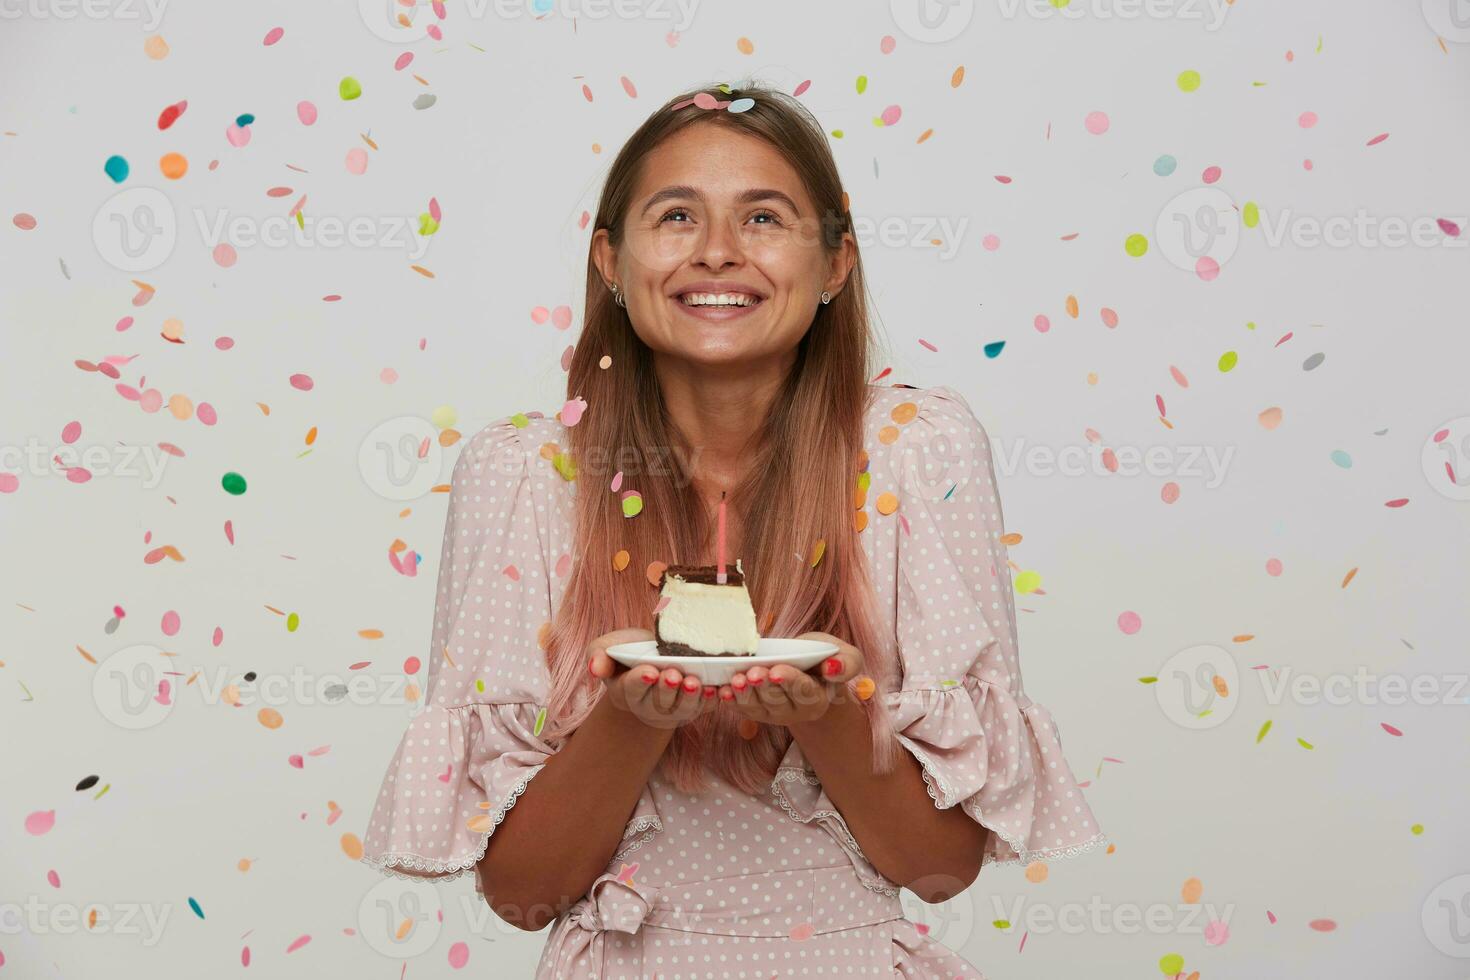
677, 827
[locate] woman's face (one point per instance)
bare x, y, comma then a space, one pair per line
722, 259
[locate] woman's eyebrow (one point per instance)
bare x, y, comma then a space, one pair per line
750, 196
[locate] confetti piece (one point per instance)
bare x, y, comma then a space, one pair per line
1304, 743
1322, 925
1097, 123
302, 382
225, 255
801, 932
357, 161
1262, 733
40, 822
1130, 622
155, 47
1188, 81
1036, 872
864, 687
459, 955
233, 483
819, 549
993, 349
1171, 964
298, 943
352, 846
1348, 577
571, 411
1270, 418
349, 88
1028, 582
620, 560
655, 573
194, 905
1390, 729
632, 503
173, 165
1216, 933
116, 168
306, 113
270, 718
1136, 245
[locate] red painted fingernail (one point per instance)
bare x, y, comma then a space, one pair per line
691, 685
754, 681
775, 678
650, 678
831, 666
738, 684
727, 696
671, 682
709, 692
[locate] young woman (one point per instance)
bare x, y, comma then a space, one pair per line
762, 828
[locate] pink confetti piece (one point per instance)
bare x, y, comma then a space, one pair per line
1397, 733
586, 93
306, 112
1307, 119
617, 481
1097, 123
357, 161
302, 382
511, 572
1211, 175
1378, 139
53, 879
218, 637
459, 955
1207, 269
403, 61
9, 483
800, 89
1022, 948
561, 317
926, 344
663, 600
1042, 323
887, 44
1130, 622
801, 932
297, 762
563, 566
1323, 925
571, 411
1159, 401
71, 432
230, 531
24, 222
1216, 933
225, 255
245, 956
1002, 179
891, 115
127, 321
274, 35
1448, 227
206, 414
170, 625
1399, 502
40, 822
298, 943
629, 87
1271, 917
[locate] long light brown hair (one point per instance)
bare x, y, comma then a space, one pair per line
798, 495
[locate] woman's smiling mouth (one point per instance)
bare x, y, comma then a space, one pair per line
716, 302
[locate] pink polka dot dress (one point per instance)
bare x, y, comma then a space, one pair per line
721, 883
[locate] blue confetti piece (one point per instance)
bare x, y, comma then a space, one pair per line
950, 492
197, 910
994, 348
117, 169
245, 119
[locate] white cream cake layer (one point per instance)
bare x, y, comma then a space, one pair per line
716, 619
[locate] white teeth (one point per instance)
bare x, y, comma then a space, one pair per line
719, 299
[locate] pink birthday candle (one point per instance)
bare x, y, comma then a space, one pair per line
720, 543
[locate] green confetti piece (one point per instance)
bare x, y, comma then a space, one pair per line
565, 466
427, 224
102, 792
1264, 729
1417, 829
633, 505
1251, 214
292, 621
1136, 245
479, 685
1002, 923
862, 84
1148, 680
837, 134
233, 483
540, 723
1228, 361
1188, 81
520, 420
349, 88
865, 480
1305, 744
1171, 964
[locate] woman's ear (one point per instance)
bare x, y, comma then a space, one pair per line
840, 264
605, 256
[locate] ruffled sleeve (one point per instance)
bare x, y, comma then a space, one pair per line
471, 750
960, 710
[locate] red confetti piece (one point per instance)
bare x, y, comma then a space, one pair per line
1001, 178
1391, 730
1323, 925
1448, 227
1399, 502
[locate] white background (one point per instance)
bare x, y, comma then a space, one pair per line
507, 150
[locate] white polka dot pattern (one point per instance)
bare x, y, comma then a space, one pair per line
722, 883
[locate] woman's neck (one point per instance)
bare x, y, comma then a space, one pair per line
719, 410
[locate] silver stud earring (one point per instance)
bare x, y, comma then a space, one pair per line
826, 297
618, 297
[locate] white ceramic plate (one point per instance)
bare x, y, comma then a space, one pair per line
802, 654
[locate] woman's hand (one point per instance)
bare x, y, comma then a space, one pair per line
659, 699
784, 695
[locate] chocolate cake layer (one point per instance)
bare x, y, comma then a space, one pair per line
704, 574
667, 648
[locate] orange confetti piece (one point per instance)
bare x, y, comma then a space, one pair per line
1243, 638
1010, 540
422, 271
958, 77
1072, 308
270, 718
744, 46
655, 572
887, 504
89, 658
311, 435
352, 846
370, 634
1192, 890
904, 413
864, 687
818, 550
1349, 576
1036, 872
621, 559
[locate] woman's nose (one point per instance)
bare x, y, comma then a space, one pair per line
720, 246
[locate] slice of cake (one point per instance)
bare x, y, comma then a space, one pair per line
701, 617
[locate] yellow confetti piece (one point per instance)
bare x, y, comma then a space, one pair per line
887, 504
621, 559
351, 846
818, 550
1028, 582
